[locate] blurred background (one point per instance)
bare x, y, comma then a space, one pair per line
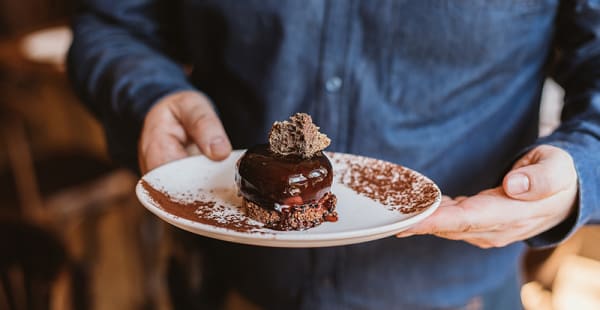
72, 235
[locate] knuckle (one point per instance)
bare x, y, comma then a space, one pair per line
466, 223
200, 119
205, 120
500, 227
465, 227
146, 147
432, 228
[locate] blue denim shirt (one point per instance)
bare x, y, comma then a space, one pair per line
449, 88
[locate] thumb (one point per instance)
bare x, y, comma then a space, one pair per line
544, 171
202, 125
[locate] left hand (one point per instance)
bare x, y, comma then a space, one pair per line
537, 194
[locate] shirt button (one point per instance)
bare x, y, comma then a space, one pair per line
333, 84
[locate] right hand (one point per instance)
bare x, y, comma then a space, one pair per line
176, 121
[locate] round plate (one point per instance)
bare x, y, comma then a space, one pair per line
376, 199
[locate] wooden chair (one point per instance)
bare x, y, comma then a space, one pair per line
31, 261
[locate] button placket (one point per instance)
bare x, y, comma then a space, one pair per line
333, 58
333, 84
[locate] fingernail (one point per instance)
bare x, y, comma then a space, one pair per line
219, 147
517, 183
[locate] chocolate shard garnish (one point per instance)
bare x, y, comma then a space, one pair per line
297, 136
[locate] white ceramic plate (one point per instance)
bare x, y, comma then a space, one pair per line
399, 198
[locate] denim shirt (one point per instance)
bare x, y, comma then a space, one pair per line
449, 88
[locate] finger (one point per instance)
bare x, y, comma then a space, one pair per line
477, 241
446, 198
447, 219
502, 235
161, 140
526, 160
447, 201
487, 211
480, 243
161, 149
460, 198
549, 170
203, 126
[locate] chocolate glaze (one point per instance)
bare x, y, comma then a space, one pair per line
277, 182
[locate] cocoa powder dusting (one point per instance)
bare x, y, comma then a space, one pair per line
205, 212
394, 186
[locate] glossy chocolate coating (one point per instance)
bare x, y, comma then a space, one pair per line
275, 182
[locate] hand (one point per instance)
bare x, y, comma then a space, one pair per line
537, 194
176, 121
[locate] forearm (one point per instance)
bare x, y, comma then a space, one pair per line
120, 74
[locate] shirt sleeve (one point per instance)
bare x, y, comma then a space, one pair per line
576, 68
122, 60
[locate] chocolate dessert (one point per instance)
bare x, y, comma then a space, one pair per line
286, 184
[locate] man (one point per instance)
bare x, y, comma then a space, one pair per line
449, 88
